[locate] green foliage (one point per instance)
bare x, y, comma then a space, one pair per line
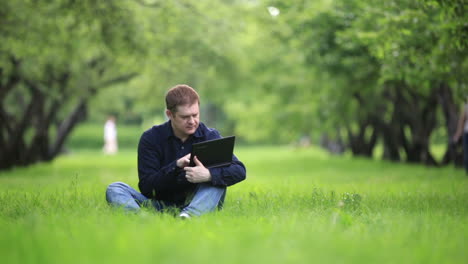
186, 42
296, 205
317, 67
61, 36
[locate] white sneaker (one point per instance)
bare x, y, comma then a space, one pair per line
184, 215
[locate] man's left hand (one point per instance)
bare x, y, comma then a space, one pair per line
198, 173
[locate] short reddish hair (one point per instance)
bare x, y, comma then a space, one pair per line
181, 94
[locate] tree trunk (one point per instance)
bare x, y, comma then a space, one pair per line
360, 146
420, 117
66, 126
390, 137
454, 152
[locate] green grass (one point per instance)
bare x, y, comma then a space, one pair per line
296, 206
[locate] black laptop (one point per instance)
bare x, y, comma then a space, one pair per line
214, 153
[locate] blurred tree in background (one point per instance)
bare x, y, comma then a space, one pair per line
350, 74
392, 71
54, 57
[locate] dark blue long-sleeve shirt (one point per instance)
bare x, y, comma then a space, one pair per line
160, 178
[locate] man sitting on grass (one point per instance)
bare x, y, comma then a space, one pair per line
166, 181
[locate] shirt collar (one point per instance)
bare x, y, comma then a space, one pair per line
198, 133
169, 132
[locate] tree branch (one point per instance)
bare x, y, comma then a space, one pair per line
146, 4
13, 79
5, 121
66, 126
119, 79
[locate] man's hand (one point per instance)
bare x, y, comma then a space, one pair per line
184, 161
198, 173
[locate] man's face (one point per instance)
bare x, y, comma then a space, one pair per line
185, 120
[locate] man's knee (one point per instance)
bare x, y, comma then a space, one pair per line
115, 188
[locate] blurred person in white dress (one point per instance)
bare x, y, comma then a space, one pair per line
110, 136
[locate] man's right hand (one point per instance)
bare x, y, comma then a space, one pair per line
184, 161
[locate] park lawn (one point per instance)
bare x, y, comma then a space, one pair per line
296, 206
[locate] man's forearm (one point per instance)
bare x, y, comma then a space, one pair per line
160, 180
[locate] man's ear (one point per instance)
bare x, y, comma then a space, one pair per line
169, 114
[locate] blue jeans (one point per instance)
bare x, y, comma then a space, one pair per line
206, 198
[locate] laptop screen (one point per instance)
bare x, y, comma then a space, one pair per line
213, 153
